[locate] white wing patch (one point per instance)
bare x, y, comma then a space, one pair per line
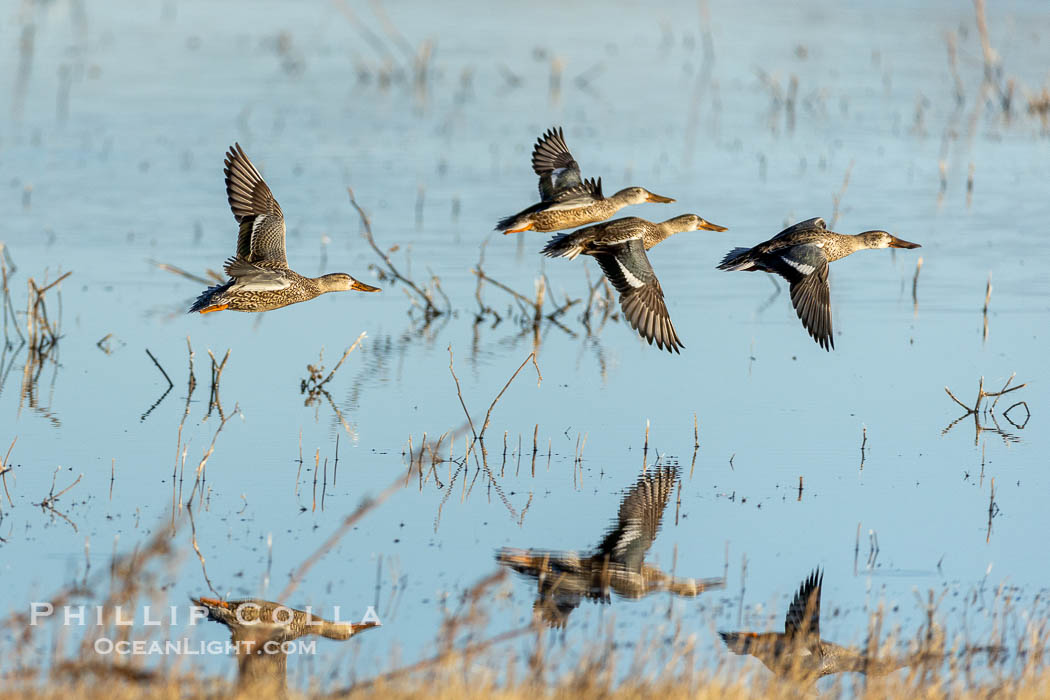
262, 283
804, 268
629, 276
574, 203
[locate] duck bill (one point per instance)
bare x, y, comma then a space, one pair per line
708, 226
362, 287
657, 198
900, 243
363, 626
211, 602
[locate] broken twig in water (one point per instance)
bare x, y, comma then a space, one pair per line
989, 411
49, 501
430, 310
314, 385
982, 394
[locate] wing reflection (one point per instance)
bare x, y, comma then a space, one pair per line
617, 565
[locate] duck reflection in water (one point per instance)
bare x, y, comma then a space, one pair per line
616, 566
258, 628
799, 654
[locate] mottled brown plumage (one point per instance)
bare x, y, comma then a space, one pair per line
566, 199
260, 279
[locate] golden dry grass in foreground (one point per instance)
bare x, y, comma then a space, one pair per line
453, 686
56, 661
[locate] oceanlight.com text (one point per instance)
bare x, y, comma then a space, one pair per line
186, 647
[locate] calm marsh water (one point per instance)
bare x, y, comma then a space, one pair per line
111, 157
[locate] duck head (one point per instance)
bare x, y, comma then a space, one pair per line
342, 282
692, 222
884, 239
638, 195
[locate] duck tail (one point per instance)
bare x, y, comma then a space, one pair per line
737, 259
514, 223
207, 297
564, 245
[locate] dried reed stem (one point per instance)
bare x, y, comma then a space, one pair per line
197, 549
532, 358
459, 393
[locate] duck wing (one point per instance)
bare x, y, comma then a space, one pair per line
802, 624
249, 277
805, 267
262, 230
582, 195
638, 522
815, 224
557, 169
641, 297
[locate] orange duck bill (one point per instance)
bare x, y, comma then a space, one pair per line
362, 287
708, 226
901, 243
